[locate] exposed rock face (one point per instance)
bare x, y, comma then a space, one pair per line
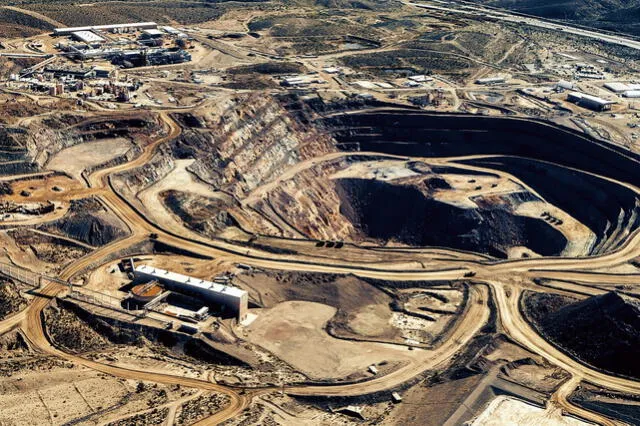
247, 143
518, 147
307, 205
88, 221
48, 136
206, 216
603, 331
10, 299
26, 149
238, 145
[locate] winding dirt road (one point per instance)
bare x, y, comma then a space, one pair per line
497, 275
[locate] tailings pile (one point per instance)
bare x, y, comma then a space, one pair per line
603, 331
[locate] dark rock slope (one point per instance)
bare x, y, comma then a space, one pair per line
603, 331
386, 211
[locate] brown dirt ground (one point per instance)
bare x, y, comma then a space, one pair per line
294, 331
362, 309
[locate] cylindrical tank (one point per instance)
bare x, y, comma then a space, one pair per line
145, 293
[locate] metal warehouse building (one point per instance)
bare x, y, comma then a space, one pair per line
114, 27
87, 37
232, 297
621, 87
588, 101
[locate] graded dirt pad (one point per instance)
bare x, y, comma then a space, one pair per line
293, 331
504, 410
362, 309
75, 159
48, 188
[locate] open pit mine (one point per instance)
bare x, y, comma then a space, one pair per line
275, 213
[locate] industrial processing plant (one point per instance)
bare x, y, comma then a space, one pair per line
231, 298
249, 213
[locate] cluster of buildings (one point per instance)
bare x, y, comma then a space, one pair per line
301, 81
96, 83
113, 28
124, 45
587, 71
107, 42
417, 80
628, 90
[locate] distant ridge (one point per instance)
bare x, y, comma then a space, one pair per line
613, 15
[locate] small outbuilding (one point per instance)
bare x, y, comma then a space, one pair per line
151, 34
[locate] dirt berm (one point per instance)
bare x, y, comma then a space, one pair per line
79, 331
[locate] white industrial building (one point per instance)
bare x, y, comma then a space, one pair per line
113, 28
565, 85
587, 101
170, 30
491, 80
87, 37
231, 297
631, 94
621, 87
152, 33
420, 78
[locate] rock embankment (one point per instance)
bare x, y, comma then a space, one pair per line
603, 331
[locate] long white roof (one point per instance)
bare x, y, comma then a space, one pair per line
591, 98
162, 274
87, 36
621, 87
105, 27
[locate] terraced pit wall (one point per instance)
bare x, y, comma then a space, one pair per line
558, 163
